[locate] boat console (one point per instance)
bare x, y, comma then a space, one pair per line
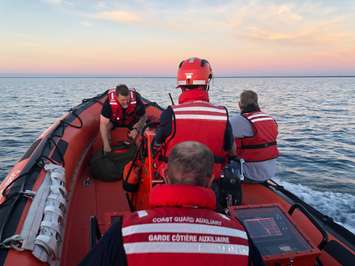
276, 237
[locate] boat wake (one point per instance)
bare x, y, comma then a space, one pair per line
339, 206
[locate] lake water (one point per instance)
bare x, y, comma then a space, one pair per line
316, 118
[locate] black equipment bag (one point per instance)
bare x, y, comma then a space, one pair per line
109, 166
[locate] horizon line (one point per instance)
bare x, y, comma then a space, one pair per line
145, 76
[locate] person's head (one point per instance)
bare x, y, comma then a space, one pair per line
194, 73
248, 101
122, 92
190, 163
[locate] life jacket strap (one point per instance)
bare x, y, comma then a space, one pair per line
259, 146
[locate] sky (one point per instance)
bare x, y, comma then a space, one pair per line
150, 38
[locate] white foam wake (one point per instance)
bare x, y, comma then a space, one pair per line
339, 206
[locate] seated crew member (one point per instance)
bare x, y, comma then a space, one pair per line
176, 230
123, 108
194, 118
255, 134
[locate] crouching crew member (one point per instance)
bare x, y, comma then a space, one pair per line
255, 134
181, 228
195, 118
123, 108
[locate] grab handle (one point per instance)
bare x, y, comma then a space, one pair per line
313, 221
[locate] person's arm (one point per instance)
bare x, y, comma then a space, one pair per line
229, 143
105, 131
241, 127
137, 127
140, 112
106, 126
233, 152
164, 128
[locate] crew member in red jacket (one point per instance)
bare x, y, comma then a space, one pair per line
181, 228
255, 134
123, 108
195, 118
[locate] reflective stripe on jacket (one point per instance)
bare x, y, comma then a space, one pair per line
183, 231
203, 122
262, 145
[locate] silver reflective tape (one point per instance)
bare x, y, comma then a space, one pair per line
197, 108
199, 82
256, 115
261, 119
202, 117
183, 228
185, 247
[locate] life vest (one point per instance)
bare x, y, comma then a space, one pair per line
262, 145
123, 117
183, 231
203, 122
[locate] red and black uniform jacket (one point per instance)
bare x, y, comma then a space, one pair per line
197, 120
262, 145
177, 230
119, 116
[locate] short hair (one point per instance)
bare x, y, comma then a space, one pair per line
191, 163
122, 90
249, 98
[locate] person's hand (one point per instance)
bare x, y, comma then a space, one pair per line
133, 133
107, 148
155, 149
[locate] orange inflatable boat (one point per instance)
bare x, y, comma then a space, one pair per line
52, 211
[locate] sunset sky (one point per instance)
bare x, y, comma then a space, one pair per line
150, 38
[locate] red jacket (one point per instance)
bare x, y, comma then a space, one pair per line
183, 231
262, 145
130, 116
203, 122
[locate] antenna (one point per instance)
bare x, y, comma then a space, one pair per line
171, 99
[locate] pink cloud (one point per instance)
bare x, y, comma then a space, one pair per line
118, 16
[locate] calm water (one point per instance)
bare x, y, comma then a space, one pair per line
315, 117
